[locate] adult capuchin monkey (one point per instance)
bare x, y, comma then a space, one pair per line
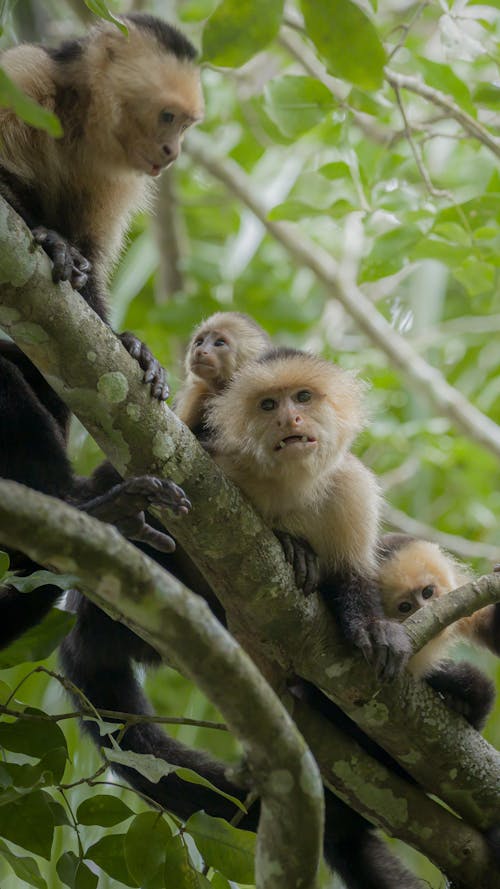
124, 102
283, 430
412, 574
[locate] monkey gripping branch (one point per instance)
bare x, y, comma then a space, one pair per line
85, 363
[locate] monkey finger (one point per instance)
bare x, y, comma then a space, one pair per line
173, 497
78, 280
286, 543
156, 539
312, 572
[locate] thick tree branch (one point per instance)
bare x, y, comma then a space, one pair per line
340, 284
133, 589
231, 545
180, 626
427, 622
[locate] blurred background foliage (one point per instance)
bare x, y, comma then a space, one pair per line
298, 97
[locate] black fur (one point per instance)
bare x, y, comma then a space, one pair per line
465, 689
68, 51
169, 37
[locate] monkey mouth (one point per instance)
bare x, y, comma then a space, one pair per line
290, 440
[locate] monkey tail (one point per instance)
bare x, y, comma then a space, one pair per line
93, 658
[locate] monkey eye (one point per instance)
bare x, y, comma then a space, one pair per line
404, 607
427, 592
198, 342
303, 396
268, 404
220, 342
166, 116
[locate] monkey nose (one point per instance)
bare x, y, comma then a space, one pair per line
170, 152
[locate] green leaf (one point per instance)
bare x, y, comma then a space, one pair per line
443, 78
28, 822
75, 873
228, 849
145, 843
38, 642
103, 809
296, 104
43, 578
347, 41
390, 252
154, 769
34, 739
24, 868
476, 277
336, 170
47, 772
179, 871
219, 882
240, 28
196, 10
4, 563
99, 8
194, 778
487, 94
27, 109
109, 853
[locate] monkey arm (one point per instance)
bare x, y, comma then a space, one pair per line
465, 689
354, 600
483, 627
125, 502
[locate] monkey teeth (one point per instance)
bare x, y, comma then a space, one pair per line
293, 439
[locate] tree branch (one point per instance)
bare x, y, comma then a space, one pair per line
180, 626
238, 554
466, 549
427, 622
425, 378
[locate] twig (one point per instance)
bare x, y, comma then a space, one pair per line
435, 192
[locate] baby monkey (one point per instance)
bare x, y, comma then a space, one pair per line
219, 347
283, 429
412, 574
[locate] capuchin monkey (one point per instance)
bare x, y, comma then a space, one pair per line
124, 103
412, 574
282, 431
219, 347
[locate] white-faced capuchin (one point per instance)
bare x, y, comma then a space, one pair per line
283, 430
124, 102
412, 574
219, 347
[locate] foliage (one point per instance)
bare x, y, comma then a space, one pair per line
386, 179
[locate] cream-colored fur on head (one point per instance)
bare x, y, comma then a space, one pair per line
241, 426
245, 339
404, 574
322, 493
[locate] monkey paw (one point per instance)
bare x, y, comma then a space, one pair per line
154, 373
125, 504
386, 646
68, 264
303, 560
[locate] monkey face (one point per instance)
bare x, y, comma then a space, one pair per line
152, 98
414, 576
212, 355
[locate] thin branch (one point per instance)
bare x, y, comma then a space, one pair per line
127, 718
466, 549
417, 154
427, 622
470, 125
425, 378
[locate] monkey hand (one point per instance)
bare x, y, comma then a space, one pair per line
124, 506
68, 264
154, 373
303, 560
385, 645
